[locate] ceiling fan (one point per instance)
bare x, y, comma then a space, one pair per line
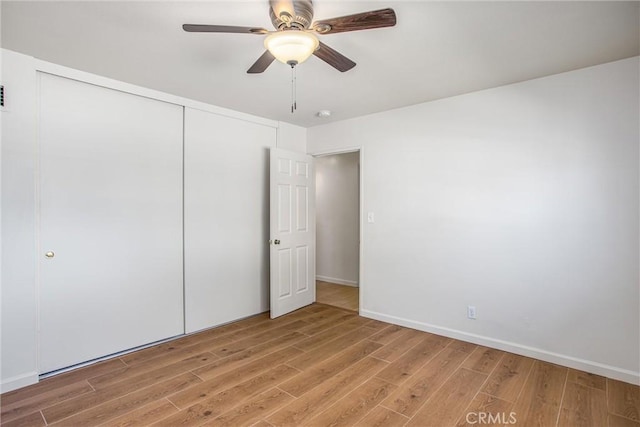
295, 40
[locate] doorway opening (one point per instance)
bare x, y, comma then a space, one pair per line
338, 229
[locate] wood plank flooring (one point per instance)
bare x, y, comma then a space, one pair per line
322, 366
342, 296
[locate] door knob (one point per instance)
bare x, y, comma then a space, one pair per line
276, 242
50, 254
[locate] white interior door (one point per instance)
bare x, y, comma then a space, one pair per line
110, 187
293, 231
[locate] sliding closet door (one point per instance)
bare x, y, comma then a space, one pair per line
226, 210
110, 190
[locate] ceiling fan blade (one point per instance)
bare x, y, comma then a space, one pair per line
334, 58
197, 28
262, 63
360, 21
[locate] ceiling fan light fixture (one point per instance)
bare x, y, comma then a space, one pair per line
291, 46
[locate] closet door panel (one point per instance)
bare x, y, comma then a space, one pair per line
110, 194
226, 218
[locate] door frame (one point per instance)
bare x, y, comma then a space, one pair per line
345, 150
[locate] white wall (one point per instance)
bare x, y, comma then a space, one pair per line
18, 364
522, 200
337, 214
292, 137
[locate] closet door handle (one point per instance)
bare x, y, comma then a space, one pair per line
50, 254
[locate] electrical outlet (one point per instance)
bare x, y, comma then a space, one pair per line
471, 312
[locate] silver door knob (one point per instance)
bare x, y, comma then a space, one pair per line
276, 242
50, 254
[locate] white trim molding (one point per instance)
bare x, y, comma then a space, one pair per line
547, 356
337, 281
97, 80
18, 381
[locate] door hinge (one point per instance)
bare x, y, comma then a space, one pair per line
1, 96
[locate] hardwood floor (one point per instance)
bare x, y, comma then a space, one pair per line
322, 366
342, 296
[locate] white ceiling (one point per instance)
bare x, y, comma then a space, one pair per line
437, 49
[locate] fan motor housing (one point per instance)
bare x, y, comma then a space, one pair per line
303, 15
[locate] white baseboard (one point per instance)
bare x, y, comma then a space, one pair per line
338, 281
547, 356
18, 381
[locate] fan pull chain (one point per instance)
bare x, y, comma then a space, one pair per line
294, 104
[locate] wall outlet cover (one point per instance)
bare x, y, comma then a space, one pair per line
471, 312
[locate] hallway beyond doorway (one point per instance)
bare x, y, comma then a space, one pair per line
342, 296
